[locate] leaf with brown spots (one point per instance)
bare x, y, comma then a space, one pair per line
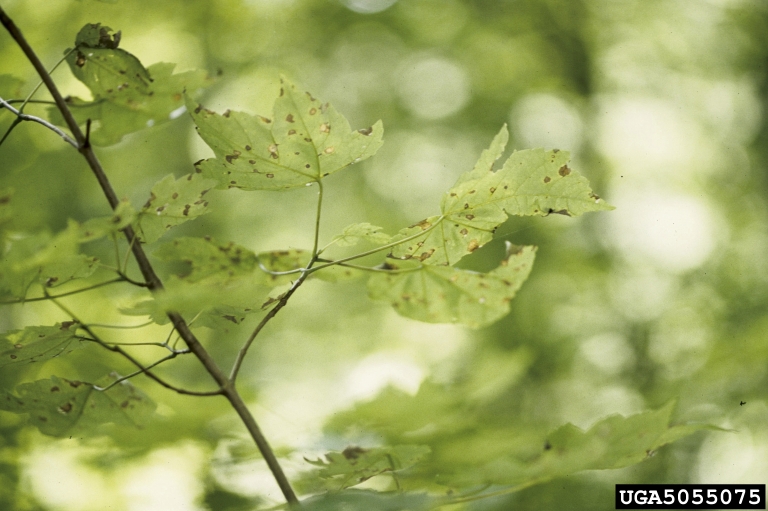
57, 406
38, 344
306, 142
173, 202
442, 294
126, 96
293, 259
355, 233
355, 465
531, 182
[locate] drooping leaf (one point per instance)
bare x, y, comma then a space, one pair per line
294, 259
126, 96
613, 442
353, 234
355, 465
39, 343
173, 202
531, 182
442, 294
306, 141
56, 405
206, 258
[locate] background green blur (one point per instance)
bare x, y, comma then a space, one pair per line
661, 104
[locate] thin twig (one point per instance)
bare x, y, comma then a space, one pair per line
68, 293
117, 349
27, 117
154, 283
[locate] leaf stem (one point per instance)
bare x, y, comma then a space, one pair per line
154, 283
315, 253
377, 249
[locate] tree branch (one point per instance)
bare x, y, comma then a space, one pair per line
153, 281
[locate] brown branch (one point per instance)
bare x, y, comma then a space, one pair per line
153, 281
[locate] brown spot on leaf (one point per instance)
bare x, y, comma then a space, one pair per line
175, 195
329, 150
265, 120
352, 453
426, 255
547, 179
564, 170
247, 148
270, 176
325, 128
366, 131
186, 209
312, 111
469, 217
289, 118
291, 132
14, 357
226, 113
473, 245
65, 408
464, 232
55, 389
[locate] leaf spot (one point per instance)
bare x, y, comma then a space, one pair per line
547, 179
329, 150
473, 245
564, 170
325, 128
289, 118
270, 176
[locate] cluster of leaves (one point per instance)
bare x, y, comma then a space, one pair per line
220, 284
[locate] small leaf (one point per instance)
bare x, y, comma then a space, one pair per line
38, 343
441, 294
294, 259
354, 233
57, 405
96, 228
10, 87
173, 202
531, 182
306, 141
356, 465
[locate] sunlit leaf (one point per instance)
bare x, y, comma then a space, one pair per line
442, 294
531, 182
39, 343
355, 465
126, 96
304, 142
353, 234
173, 202
57, 405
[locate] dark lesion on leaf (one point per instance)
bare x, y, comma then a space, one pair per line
366, 131
564, 170
352, 453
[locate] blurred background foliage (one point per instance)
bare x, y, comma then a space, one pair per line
661, 104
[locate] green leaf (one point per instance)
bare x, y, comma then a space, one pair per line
173, 202
294, 259
51, 261
10, 87
531, 182
207, 259
6, 196
126, 96
611, 443
355, 465
306, 142
353, 234
441, 294
369, 501
39, 343
96, 228
57, 405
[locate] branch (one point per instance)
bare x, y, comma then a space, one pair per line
27, 117
153, 281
